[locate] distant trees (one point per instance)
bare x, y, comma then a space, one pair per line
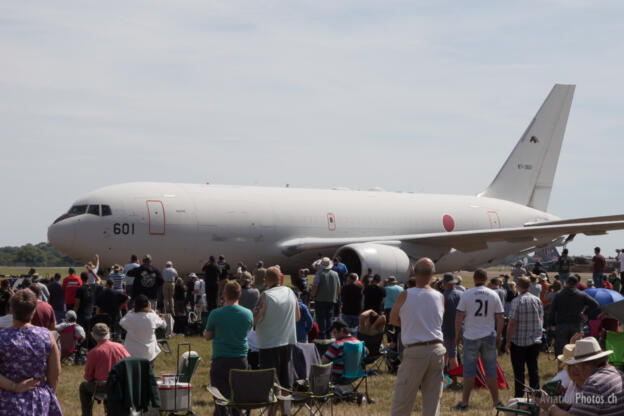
41, 254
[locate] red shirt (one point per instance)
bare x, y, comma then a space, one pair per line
70, 286
102, 358
44, 315
599, 263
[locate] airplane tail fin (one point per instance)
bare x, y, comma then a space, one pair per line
527, 176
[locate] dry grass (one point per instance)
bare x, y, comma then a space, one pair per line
381, 387
46, 272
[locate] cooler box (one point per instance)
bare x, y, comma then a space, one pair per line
175, 396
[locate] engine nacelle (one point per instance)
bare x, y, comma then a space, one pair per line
384, 260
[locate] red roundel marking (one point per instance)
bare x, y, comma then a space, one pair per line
448, 222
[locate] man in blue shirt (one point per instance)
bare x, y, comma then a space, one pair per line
227, 327
305, 323
341, 269
392, 291
451, 299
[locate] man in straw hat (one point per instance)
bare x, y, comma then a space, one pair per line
602, 385
325, 290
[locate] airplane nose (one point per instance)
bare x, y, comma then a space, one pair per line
61, 236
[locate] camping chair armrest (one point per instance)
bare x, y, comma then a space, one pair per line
277, 386
513, 410
216, 393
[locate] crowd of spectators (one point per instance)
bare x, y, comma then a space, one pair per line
254, 321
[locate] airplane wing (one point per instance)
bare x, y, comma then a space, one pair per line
463, 240
606, 218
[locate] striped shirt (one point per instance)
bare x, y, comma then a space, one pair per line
527, 310
334, 352
602, 394
118, 279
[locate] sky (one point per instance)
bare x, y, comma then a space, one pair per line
406, 96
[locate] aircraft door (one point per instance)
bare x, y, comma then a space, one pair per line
494, 219
156, 217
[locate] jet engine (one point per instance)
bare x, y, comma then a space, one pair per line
385, 260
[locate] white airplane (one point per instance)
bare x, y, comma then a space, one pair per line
384, 231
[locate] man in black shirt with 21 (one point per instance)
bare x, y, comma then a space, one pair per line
147, 281
211, 277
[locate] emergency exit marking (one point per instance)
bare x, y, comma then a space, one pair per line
331, 221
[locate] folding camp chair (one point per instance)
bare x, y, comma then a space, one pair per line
318, 391
161, 339
126, 396
615, 341
250, 389
67, 339
347, 386
529, 407
480, 379
375, 356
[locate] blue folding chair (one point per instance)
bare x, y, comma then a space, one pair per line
347, 387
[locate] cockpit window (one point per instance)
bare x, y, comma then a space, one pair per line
77, 210
94, 210
73, 211
106, 210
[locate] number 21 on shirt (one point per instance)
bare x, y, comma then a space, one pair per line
482, 307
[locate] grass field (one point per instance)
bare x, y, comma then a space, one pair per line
45, 272
380, 386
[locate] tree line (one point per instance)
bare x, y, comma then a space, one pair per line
40, 255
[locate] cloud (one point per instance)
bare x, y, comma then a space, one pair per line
429, 97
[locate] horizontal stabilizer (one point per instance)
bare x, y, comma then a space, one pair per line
461, 240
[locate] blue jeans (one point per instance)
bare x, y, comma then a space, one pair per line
59, 314
486, 349
353, 321
598, 279
324, 312
563, 276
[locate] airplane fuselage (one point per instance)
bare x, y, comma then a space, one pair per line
186, 223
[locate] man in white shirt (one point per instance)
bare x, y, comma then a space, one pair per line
481, 311
169, 275
199, 291
620, 258
419, 312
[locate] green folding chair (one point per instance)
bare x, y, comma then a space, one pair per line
531, 408
347, 386
250, 389
316, 394
615, 341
